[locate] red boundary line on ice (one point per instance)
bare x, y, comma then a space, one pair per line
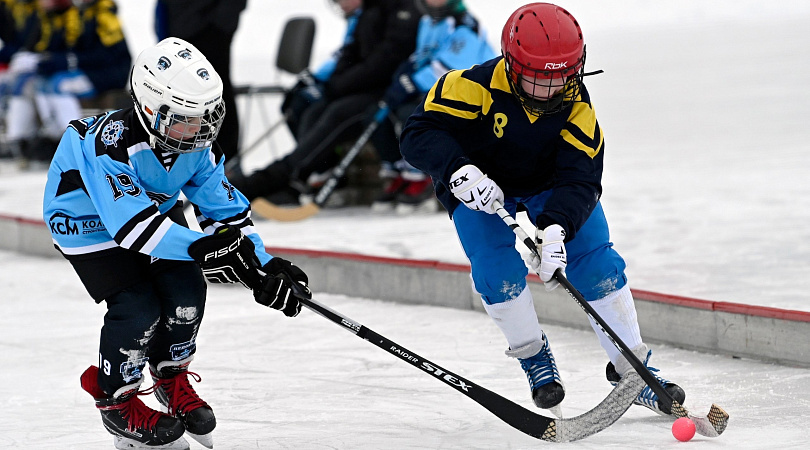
22, 220
733, 308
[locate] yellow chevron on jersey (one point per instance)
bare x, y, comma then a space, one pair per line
463, 95
458, 96
589, 139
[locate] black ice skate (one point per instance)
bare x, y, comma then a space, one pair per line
386, 201
133, 424
647, 397
417, 197
538, 362
174, 391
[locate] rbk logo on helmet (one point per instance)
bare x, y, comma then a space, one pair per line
542, 47
163, 63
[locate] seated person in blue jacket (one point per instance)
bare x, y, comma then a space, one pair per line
449, 37
310, 86
383, 36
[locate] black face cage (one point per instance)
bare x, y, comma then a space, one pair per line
192, 133
539, 80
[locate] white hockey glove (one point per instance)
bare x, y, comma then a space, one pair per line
476, 190
24, 62
552, 255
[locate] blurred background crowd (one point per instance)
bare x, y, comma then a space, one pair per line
62, 60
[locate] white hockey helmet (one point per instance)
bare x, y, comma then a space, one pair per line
178, 96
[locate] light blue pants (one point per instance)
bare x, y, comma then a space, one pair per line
498, 270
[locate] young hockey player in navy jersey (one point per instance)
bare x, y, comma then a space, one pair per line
521, 129
111, 202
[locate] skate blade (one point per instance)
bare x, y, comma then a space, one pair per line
206, 440
557, 411
122, 443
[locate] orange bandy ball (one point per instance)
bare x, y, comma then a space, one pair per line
683, 429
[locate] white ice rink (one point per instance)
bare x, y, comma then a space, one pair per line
304, 383
704, 106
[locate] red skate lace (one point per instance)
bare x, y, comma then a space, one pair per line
136, 413
182, 397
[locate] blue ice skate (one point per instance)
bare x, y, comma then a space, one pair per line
541, 371
647, 397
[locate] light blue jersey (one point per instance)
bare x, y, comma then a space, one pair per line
455, 42
325, 70
107, 188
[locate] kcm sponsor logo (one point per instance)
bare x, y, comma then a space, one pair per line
65, 225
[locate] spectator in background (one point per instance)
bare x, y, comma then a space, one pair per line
384, 36
17, 17
78, 52
449, 38
210, 26
309, 88
6, 25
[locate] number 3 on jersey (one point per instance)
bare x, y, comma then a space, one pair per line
500, 123
126, 182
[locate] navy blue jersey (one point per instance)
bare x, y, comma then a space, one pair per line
471, 117
93, 35
107, 188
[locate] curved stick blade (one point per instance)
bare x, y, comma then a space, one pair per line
710, 425
268, 210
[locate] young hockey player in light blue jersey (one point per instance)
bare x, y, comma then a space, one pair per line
111, 202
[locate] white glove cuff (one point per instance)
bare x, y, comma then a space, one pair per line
464, 179
550, 234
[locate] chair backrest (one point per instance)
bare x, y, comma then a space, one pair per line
295, 48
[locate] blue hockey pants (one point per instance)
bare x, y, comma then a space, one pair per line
498, 271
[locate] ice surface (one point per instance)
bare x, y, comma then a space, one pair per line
704, 107
304, 383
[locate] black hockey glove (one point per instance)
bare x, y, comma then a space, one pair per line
283, 285
227, 256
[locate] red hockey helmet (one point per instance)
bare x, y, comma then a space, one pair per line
544, 52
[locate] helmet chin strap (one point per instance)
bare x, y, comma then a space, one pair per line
544, 105
153, 133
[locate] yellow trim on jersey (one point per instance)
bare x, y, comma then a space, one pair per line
501, 83
108, 27
456, 88
499, 80
69, 21
583, 117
